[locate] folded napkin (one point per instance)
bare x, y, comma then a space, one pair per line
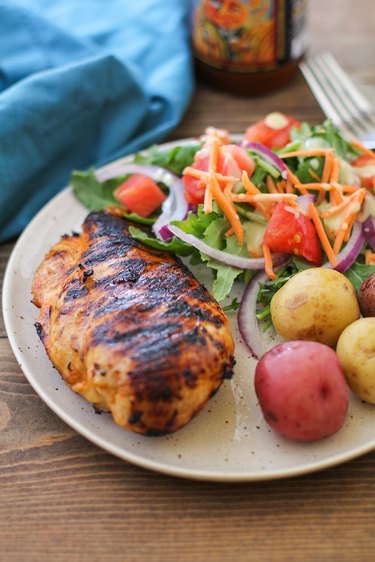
83, 82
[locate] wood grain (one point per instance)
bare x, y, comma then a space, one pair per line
63, 499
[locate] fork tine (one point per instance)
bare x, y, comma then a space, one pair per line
351, 96
362, 102
307, 69
313, 77
345, 105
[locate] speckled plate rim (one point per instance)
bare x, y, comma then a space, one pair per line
57, 407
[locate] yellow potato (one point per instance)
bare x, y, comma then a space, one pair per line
356, 352
315, 304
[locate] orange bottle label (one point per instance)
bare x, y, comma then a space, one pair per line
248, 35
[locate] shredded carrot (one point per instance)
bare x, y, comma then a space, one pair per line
335, 171
201, 174
214, 146
359, 146
351, 222
295, 181
227, 207
359, 197
306, 153
347, 188
288, 187
338, 208
318, 186
271, 185
335, 195
248, 184
229, 232
208, 199
274, 197
214, 154
263, 197
252, 189
344, 227
348, 221
322, 234
268, 265
327, 167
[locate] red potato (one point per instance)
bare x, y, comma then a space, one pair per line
301, 390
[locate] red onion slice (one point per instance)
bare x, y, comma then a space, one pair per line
304, 200
350, 253
268, 155
246, 317
174, 208
224, 257
369, 231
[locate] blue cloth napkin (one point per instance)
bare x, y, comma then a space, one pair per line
83, 82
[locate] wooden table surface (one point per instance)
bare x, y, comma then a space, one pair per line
64, 499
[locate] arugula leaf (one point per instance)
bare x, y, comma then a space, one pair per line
358, 272
93, 194
174, 245
234, 305
328, 132
225, 274
225, 277
175, 159
197, 224
309, 165
267, 291
134, 217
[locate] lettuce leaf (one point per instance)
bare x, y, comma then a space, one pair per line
358, 272
174, 245
95, 195
175, 159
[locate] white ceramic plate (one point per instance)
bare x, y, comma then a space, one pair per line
227, 441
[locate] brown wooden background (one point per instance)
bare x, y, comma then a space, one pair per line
64, 500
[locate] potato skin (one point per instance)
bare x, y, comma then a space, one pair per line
366, 296
302, 390
315, 304
356, 352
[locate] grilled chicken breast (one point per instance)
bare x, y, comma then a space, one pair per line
130, 328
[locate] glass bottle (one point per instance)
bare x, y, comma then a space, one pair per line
248, 47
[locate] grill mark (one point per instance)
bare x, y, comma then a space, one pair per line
188, 310
129, 301
104, 334
75, 293
146, 352
165, 282
135, 267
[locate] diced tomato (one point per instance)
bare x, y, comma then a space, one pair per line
231, 162
194, 191
365, 168
293, 233
273, 131
140, 194
241, 157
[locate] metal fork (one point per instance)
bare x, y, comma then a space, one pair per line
339, 98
